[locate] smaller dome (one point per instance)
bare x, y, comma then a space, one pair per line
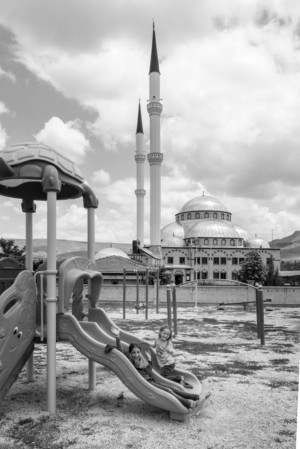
256, 242
241, 231
172, 229
203, 203
107, 252
173, 240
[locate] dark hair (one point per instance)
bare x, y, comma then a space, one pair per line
162, 329
132, 346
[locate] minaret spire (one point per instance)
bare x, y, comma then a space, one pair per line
140, 191
154, 64
155, 157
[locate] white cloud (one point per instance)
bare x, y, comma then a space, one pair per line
65, 138
101, 177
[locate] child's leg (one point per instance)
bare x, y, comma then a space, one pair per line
184, 401
167, 370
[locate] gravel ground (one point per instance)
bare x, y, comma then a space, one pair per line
253, 402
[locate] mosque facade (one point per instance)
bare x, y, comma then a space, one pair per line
202, 243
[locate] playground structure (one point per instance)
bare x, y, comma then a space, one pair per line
34, 172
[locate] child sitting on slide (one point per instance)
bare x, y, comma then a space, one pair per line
164, 354
144, 367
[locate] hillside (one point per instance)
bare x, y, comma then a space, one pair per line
71, 246
289, 246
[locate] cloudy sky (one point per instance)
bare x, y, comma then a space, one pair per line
72, 73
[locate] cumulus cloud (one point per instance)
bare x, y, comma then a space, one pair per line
101, 177
65, 138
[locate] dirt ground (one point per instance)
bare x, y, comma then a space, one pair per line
253, 401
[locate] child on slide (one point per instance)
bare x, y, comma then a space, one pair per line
164, 354
144, 367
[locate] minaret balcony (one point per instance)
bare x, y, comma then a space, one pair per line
154, 108
139, 157
140, 192
155, 158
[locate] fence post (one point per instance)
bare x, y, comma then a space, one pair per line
257, 313
169, 306
261, 316
174, 308
157, 291
137, 305
124, 293
147, 293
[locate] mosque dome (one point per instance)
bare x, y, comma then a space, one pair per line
212, 228
173, 240
172, 229
241, 231
107, 252
201, 203
256, 242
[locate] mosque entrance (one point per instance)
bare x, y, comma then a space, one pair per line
178, 279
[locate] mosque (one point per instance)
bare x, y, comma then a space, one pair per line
202, 242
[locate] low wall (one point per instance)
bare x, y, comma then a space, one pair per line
280, 296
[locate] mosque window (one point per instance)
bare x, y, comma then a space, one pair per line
215, 241
206, 215
197, 215
216, 275
206, 241
197, 260
223, 275
234, 261
215, 215
182, 260
223, 260
170, 260
223, 242
222, 216
241, 260
204, 274
182, 216
227, 217
240, 242
232, 242
189, 216
216, 260
204, 260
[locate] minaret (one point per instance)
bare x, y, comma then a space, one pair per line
140, 191
155, 157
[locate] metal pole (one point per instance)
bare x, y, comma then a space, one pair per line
137, 292
91, 256
124, 293
261, 316
196, 286
29, 266
147, 293
169, 306
174, 308
157, 290
257, 313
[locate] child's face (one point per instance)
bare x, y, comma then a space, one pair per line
135, 353
165, 334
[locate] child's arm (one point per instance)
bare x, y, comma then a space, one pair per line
109, 348
150, 341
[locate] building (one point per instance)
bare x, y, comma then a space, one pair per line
203, 242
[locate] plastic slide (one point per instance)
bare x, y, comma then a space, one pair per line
90, 339
17, 328
100, 317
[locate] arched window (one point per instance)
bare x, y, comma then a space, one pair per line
215, 241
182, 216
197, 215
206, 241
223, 242
189, 216
232, 242
227, 217
215, 215
222, 216
206, 215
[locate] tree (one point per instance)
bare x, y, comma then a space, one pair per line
9, 249
165, 276
252, 269
272, 273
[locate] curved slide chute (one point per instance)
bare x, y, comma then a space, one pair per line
100, 317
89, 339
17, 328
